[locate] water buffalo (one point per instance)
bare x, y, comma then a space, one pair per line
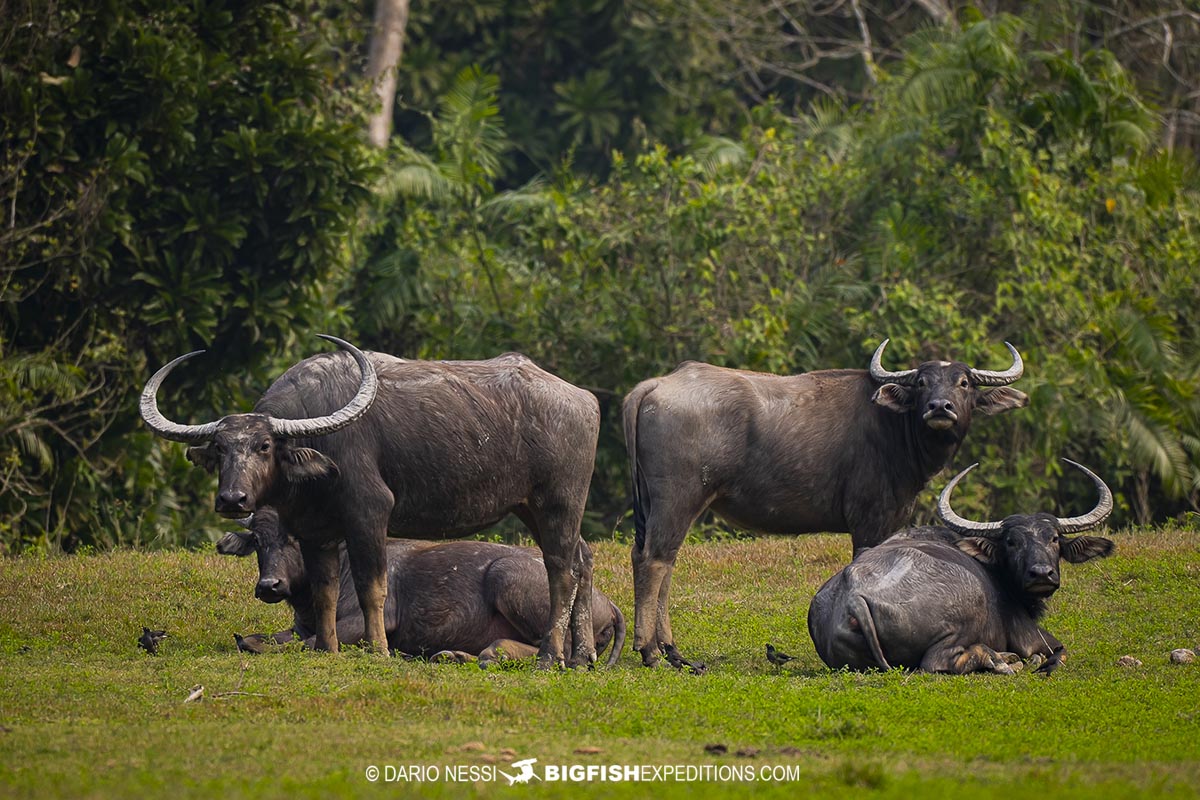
833, 450
355, 447
469, 598
962, 598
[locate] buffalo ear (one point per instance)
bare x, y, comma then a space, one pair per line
981, 549
893, 397
1085, 548
306, 464
236, 543
1000, 399
204, 456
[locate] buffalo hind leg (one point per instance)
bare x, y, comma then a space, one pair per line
583, 634
321, 564
653, 559
560, 544
666, 638
505, 649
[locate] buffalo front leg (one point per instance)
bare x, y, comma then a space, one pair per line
962, 660
653, 564
368, 567
321, 564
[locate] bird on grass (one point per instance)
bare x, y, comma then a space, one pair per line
251, 644
149, 640
777, 657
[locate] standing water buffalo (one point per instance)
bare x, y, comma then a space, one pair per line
833, 450
352, 446
964, 598
474, 598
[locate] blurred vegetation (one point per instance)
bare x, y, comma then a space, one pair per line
609, 187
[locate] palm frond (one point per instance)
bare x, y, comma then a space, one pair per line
712, 153
532, 195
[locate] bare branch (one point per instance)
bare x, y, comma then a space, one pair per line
868, 59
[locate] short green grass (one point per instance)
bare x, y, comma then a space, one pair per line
85, 713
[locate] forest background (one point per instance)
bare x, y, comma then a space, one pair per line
611, 187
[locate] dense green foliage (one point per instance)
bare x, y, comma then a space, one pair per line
993, 191
184, 177
175, 177
86, 713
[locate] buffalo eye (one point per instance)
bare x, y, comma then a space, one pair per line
963, 383
920, 383
265, 447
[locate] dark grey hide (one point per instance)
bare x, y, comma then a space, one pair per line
474, 599
833, 450
445, 449
944, 600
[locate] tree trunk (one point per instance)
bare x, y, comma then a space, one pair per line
387, 43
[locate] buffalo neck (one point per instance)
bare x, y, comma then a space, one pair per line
933, 450
1013, 592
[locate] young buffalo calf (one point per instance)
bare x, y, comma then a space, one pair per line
466, 598
961, 598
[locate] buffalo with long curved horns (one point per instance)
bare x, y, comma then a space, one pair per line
831, 450
357, 446
961, 598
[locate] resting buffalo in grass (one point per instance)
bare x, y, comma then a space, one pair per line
468, 598
834, 450
962, 598
354, 447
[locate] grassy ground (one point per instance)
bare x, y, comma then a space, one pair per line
85, 713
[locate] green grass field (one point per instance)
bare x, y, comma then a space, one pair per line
85, 713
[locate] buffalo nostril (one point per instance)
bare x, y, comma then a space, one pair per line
1041, 571
232, 499
268, 586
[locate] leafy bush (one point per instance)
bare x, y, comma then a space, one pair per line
175, 176
992, 191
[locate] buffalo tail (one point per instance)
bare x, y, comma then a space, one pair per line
632, 408
618, 641
862, 612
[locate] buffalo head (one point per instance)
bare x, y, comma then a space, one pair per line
944, 393
253, 454
280, 564
1026, 548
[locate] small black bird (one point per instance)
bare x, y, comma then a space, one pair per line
249, 644
149, 640
777, 657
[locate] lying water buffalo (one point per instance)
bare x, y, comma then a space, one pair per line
962, 598
469, 598
834, 450
354, 447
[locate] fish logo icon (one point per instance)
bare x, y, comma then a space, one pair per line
525, 774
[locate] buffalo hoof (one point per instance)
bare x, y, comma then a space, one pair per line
582, 661
451, 657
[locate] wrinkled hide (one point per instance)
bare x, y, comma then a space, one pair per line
463, 597
930, 599
445, 449
833, 450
